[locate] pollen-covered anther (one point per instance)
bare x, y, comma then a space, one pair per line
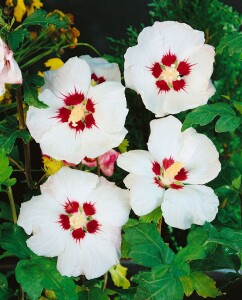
78, 220
171, 172
170, 74
78, 113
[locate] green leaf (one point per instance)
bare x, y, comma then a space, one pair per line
154, 216
190, 252
238, 106
38, 17
31, 83
13, 239
16, 37
5, 212
4, 290
205, 114
204, 285
146, 246
154, 287
233, 43
123, 146
5, 169
93, 294
187, 285
38, 273
8, 141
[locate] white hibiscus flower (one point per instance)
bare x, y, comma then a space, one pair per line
102, 70
9, 69
78, 217
172, 174
170, 68
81, 120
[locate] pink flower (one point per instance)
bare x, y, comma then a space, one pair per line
9, 69
106, 161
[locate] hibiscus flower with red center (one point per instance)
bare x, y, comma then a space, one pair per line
78, 217
170, 68
81, 119
172, 174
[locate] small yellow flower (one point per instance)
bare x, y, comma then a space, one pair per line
118, 274
51, 165
22, 7
54, 63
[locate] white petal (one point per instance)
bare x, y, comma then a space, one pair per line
136, 161
145, 195
102, 68
74, 75
63, 143
110, 106
200, 157
38, 211
51, 99
69, 183
202, 68
70, 262
97, 141
49, 241
111, 203
193, 204
40, 121
165, 139
100, 255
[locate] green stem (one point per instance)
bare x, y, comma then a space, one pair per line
85, 45
105, 281
159, 225
16, 164
12, 204
36, 58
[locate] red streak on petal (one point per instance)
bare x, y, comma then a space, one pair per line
74, 99
89, 209
156, 168
71, 207
63, 114
90, 160
156, 70
65, 222
78, 234
160, 184
167, 162
97, 79
182, 175
162, 86
90, 105
168, 59
184, 68
90, 121
178, 85
176, 186
101, 79
92, 226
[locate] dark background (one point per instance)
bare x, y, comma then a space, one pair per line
98, 19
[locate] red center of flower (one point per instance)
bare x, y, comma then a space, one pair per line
79, 219
97, 80
169, 73
170, 174
77, 112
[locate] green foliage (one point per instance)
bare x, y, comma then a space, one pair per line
201, 283
94, 293
13, 239
5, 212
232, 42
9, 132
16, 37
147, 247
31, 83
205, 114
38, 273
39, 17
5, 292
5, 172
123, 146
153, 286
153, 216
